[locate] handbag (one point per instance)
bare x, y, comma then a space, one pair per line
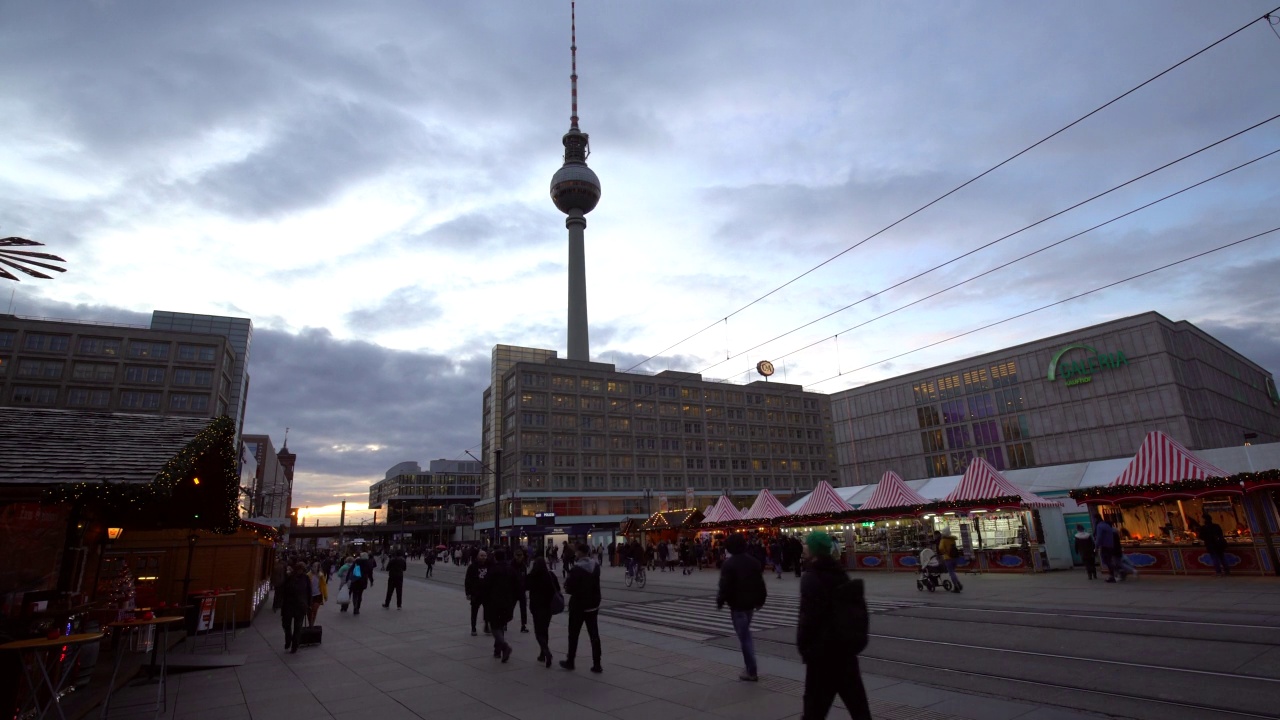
557, 598
344, 595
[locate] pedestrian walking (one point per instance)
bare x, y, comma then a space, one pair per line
775, 557
361, 579
295, 602
319, 592
543, 587
796, 549
1215, 543
1085, 549
501, 587
1107, 540
473, 586
950, 554
830, 632
431, 561
583, 587
742, 588
566, 559
278, 573
519, 565
395, 579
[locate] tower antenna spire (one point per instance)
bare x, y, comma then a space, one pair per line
573, 55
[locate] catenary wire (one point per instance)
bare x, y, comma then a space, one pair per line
991, 270
1077, 296
993, 168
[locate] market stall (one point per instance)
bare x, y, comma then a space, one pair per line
1159, 503
887, 533
824, 509
999, 526
671, 525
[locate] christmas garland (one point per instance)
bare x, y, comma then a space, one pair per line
177, 497
1239, 482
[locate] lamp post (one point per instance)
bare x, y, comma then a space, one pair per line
648, 512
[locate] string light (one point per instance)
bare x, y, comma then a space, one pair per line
1235, 484
175, 497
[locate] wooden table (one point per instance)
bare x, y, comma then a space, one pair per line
134, 628
35, 666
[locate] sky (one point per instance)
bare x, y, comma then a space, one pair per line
369, 184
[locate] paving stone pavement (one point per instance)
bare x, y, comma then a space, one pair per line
421, 662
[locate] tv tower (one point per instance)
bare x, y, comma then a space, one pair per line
575, 190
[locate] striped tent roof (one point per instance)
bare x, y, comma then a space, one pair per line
766, 507
892, 492
723, 511
823, 501
981, 482
1161, 459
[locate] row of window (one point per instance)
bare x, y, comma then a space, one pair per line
111, 347
646, 389
539, 462
98, 398
966, 383
106, 372
675, 483
644, 425
976, 407
647, 407
662, 444
985, 432
1007, 457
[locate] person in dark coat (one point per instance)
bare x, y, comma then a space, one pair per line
1215, 543
795, 551
295, 603
1107, 540
360, 577
278, 573
431, 560
395, 579
583, 587
830, 668
542, 586
742, 588
474, 587
501, 588
520, 564
1085, 549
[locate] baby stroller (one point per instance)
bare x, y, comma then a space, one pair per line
931, 572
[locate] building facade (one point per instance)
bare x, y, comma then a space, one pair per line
115, 368
436, 500
271, 496
594, 446
237, 331
1090, 394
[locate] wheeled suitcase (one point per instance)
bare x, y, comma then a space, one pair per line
310, 635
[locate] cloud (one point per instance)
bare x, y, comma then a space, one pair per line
508, 226
406, 307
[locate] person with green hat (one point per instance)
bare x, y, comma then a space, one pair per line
826, 610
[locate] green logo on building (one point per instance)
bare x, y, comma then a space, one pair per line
1080, 371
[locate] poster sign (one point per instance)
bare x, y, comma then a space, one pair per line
966, 536
689, 501
662, 503
205, 619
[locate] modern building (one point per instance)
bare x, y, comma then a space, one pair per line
429, 504
271, 496
119, 368
594, 446
1090, 394
237, 331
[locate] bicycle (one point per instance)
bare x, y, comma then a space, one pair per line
635, 575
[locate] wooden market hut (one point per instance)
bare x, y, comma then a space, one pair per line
880, 541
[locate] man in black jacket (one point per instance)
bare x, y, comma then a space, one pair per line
831, 667
583, 586
501, 586
395, 579
473, 585
361, 577
743, 588
520, 565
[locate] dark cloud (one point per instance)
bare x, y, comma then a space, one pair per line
506, 226
406, 307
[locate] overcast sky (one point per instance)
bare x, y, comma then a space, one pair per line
369, 183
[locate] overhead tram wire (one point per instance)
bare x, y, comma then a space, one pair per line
1018, 231
1077, 296
1265, 17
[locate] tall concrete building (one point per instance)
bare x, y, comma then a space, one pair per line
594, 446
575, 190
119, 368
237, 331
271, 497
1089, 394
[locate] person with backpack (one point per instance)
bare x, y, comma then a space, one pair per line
360, 577
830, 632
742, 588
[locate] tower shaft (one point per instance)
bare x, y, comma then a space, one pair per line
579, 341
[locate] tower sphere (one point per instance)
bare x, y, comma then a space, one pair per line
575, 187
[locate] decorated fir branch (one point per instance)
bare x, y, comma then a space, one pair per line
1238, 483
156, 499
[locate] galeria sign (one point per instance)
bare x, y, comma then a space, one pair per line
1079, 369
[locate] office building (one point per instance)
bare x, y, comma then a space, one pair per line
428, 505
271, 496
1089, 394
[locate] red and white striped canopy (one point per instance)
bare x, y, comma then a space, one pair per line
724, 511
766, 507
892, 492
1161, 459
981, 482
823, 501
